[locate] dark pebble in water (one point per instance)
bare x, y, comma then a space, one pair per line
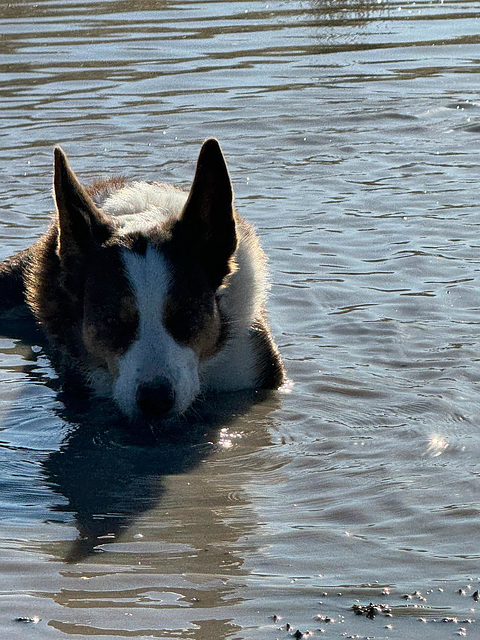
28, 620
321, 618
371, 610
417, 595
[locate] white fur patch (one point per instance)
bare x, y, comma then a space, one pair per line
141, 206
234, 367
154, 354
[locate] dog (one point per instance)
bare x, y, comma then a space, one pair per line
148, 295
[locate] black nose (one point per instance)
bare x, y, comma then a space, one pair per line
155, 398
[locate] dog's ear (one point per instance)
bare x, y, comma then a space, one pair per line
81, 224
208, 219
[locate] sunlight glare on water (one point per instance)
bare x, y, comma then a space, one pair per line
437, 446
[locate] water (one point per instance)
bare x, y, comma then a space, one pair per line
351, 129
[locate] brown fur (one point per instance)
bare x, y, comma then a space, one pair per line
102, 187
110, 317
198, 325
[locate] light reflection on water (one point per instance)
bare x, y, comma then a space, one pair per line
351, 134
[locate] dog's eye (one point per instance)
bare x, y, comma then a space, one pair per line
128, 312
110, 324
182, 325
120, 319
124, 313
196, 324
110, 320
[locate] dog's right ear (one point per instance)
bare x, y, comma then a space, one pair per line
207, 223
81, 225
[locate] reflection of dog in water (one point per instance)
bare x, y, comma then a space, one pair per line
108, 476
148, 295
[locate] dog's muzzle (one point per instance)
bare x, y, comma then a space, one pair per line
155, 399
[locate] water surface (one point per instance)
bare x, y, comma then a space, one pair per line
351, 129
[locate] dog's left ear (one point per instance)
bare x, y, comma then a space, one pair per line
81, 225
208, 219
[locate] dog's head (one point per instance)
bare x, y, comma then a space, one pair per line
143, 305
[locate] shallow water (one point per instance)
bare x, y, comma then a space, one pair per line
351, 130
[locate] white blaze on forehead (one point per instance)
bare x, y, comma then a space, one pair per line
154, 353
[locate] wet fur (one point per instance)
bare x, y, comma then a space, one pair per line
92, 283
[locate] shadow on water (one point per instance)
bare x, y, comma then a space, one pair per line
110, 475
109, 470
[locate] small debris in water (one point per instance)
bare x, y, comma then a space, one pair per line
476, 596
448, 619
418, 595
298, 634
371, 610
462, 592
321, 618
28, 620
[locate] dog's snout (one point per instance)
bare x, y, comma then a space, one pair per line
155, 398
